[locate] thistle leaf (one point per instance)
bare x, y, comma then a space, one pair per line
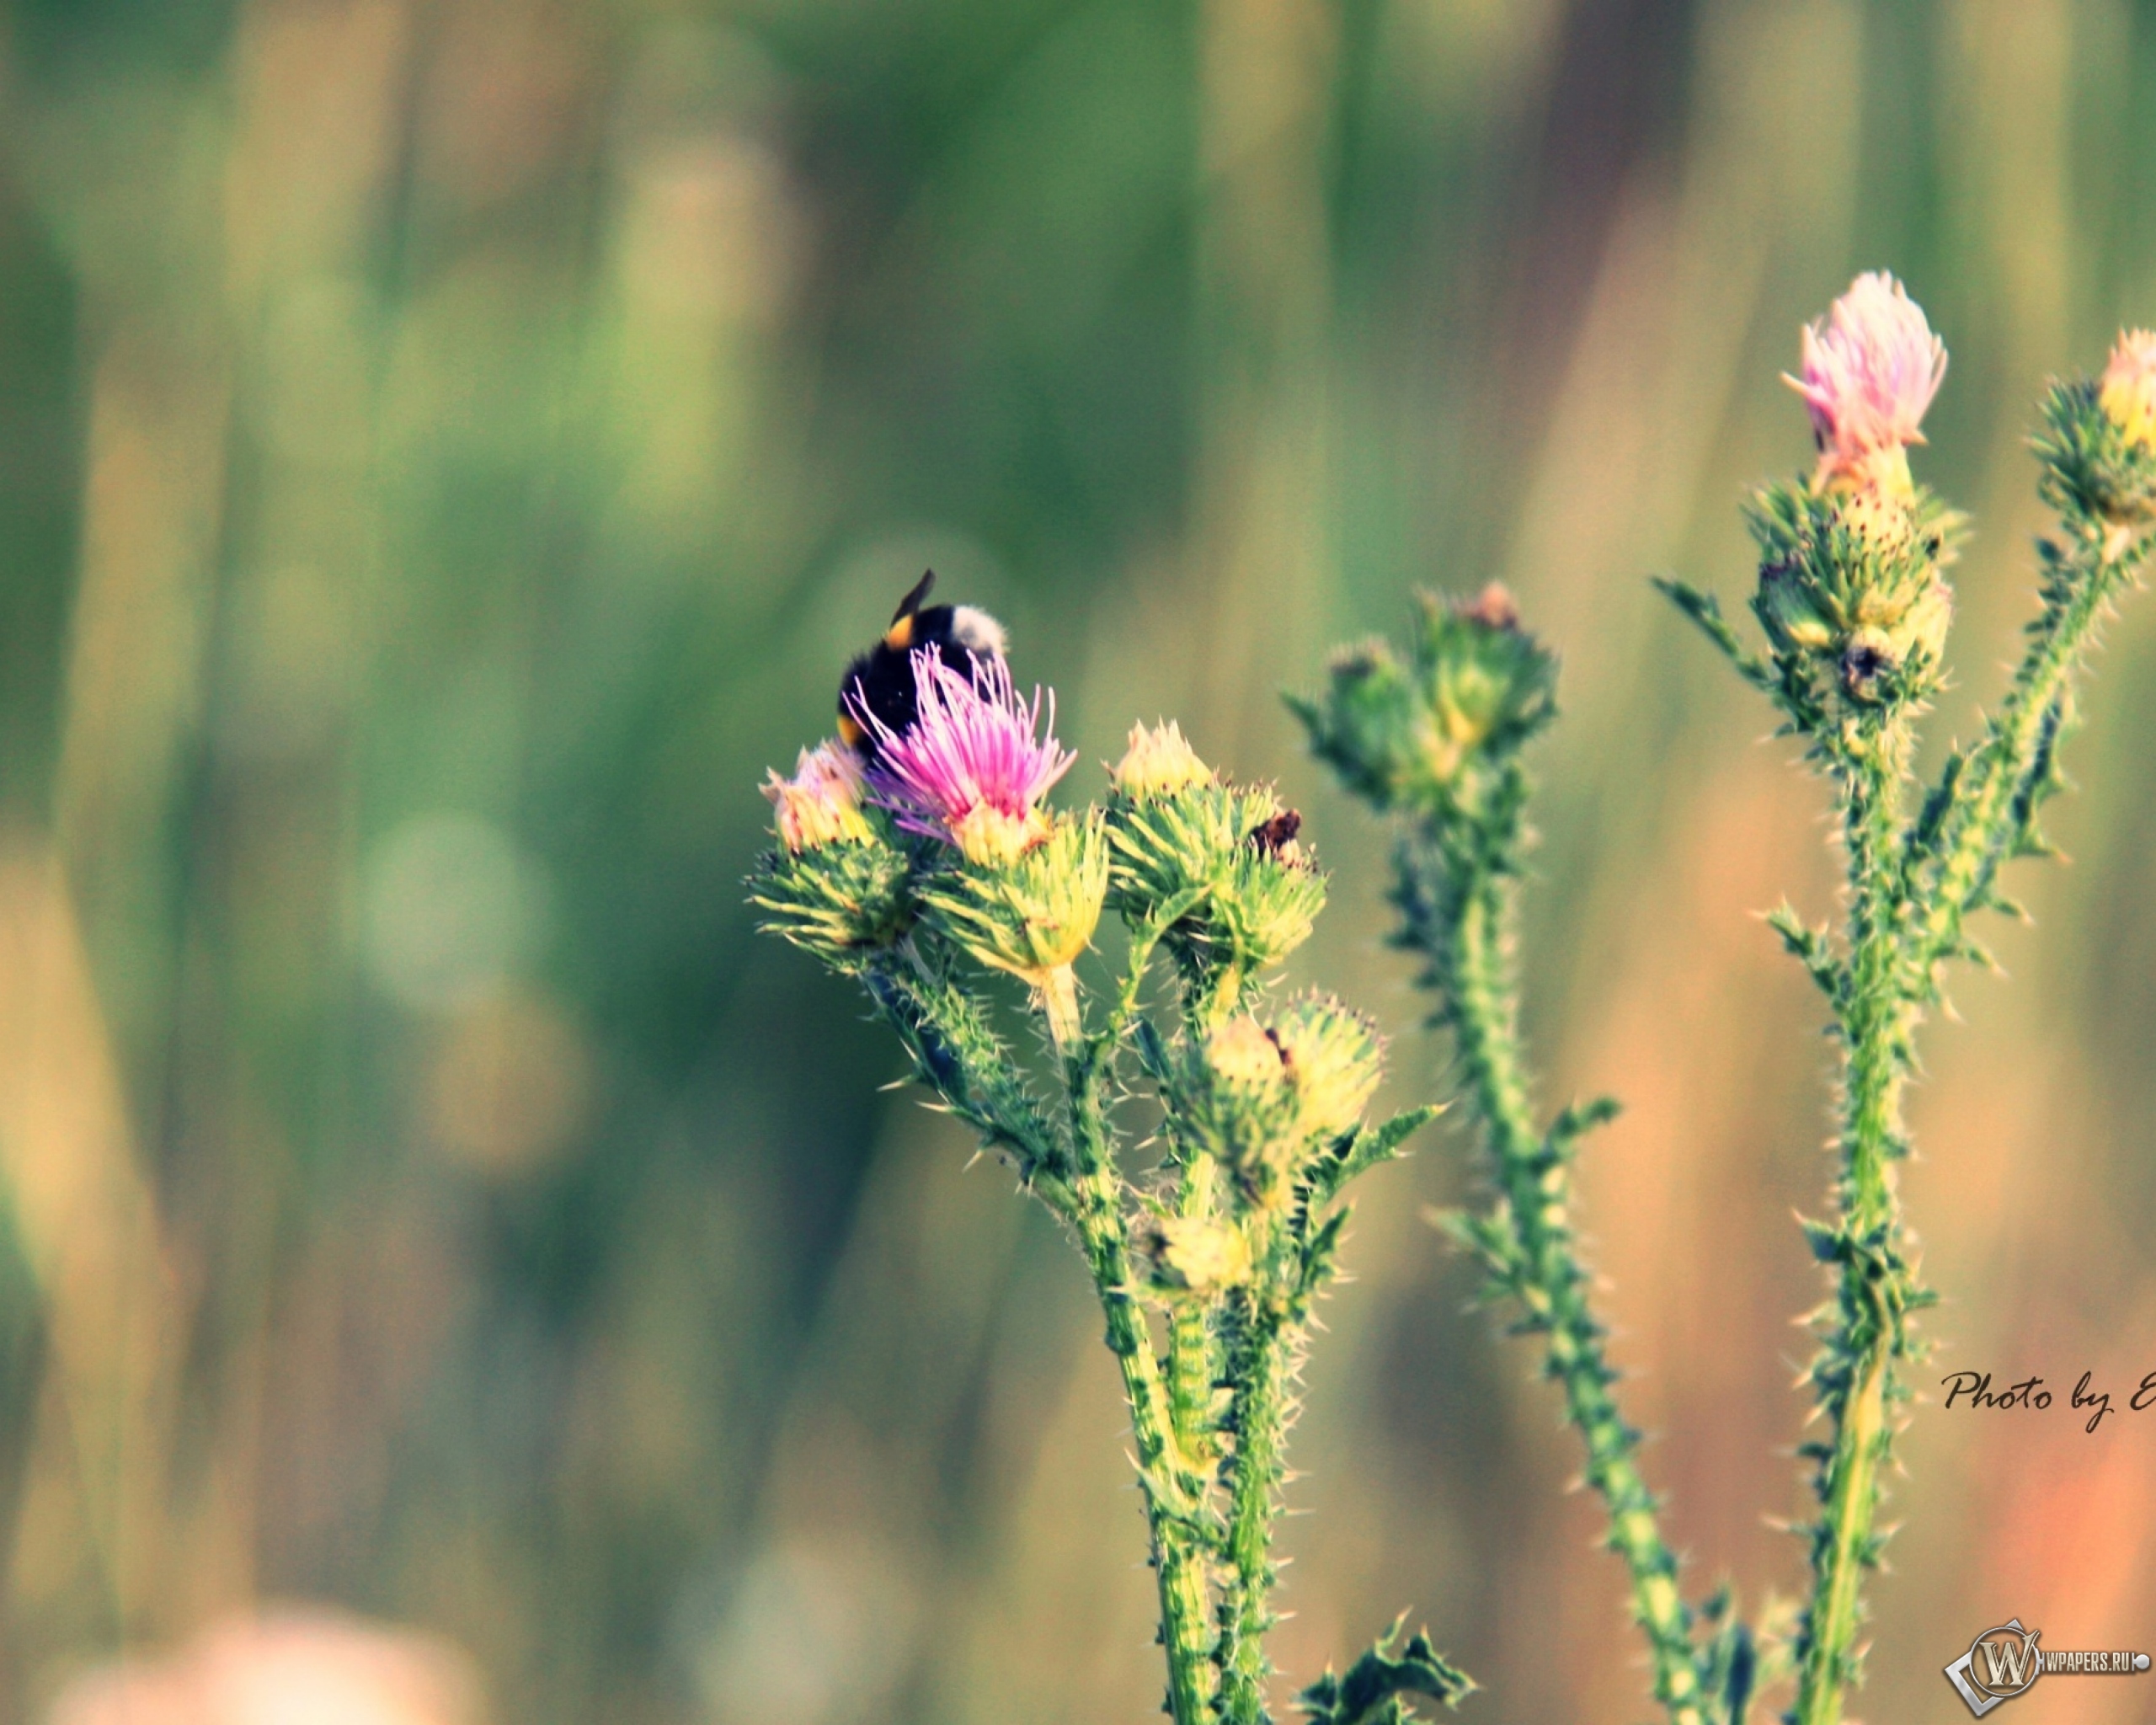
1372, 1692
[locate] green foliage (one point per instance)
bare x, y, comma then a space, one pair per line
1374, 1691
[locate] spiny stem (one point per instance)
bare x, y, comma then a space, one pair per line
1869, 1331
1983, 823
1259, 1370
1174, 1495
1193, 1357
1481, 990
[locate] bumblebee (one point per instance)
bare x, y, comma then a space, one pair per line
880, 681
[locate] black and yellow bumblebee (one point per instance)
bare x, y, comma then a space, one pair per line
880, 681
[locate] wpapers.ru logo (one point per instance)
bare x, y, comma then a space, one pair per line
2006, 1662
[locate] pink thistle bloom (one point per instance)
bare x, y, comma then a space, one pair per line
1870, 368
971, 769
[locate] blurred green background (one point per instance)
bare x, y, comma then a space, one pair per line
451, 447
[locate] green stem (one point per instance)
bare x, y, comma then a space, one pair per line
1260, 1376
1868, 1330
1990, 804
1174, 1492
1192, 1358
959, 1057
1475, 971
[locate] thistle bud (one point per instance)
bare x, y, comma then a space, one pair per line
1192, 1255
1231, 1099
839, 901
1477, 687
1236, 847
1034, 915
821, 804
2098, 440
1366, 724
1850, 591
1334, 1059
1486, 681
1243, 1057
1158, 763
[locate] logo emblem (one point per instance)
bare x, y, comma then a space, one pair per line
2006, 1662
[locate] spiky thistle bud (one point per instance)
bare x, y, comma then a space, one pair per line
1033, 914
2127, 390
1850, 591
2098, 443
1334, 1058
1235, 1100
1420, 733
821, 804
1236, 846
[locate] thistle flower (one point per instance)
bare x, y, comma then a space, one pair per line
1158, 763
821, 804
1869, 370
973, 767
2127, 393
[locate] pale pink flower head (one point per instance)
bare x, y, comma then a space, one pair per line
2128, 394
973, 767
821, 804
1870, 367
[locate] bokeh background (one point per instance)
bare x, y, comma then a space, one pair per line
447, 450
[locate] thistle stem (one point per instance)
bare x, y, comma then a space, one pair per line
1174, 1493
1259, 1371
1992, 800
1192, 1355
1482, 1007
1869, 1329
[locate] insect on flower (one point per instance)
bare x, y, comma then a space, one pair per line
879, 684
972, 766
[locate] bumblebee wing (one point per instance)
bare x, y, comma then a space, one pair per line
913, 600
